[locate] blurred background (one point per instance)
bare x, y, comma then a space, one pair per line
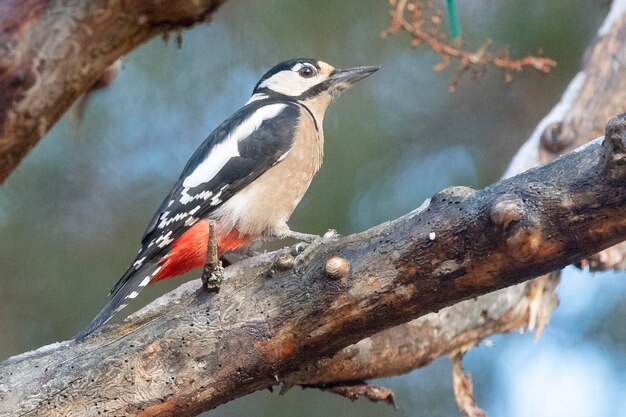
72, 214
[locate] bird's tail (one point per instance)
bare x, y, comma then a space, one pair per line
128, 287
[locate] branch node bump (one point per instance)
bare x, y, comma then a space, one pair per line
557, 137
614, 146
452, 194
285, 262
337, 268
522, 231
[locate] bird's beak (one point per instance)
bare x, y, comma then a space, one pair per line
343, 79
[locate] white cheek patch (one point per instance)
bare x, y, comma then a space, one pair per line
288, 82
225, 150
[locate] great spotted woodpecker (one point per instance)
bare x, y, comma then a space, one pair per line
248, 176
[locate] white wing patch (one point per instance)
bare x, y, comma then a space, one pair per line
139, 263
145, 281
166, 222
214, 161
227, 149
134, 294
216, 200
191, 221
186, 198
164, 240
283, 156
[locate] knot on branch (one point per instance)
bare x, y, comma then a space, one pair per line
521, 230
337, 268
452, 195
285, 262
614, 147
557, 137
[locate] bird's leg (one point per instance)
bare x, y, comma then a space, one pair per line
213, 271
303, 237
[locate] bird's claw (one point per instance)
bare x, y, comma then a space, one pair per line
298, 248
303, 237
303, 251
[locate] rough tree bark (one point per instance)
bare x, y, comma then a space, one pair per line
194, 350
52, 51
597, 92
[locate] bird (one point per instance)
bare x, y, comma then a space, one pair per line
247, 178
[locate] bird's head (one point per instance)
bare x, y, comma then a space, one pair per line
308, 81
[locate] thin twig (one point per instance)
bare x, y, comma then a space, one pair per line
424, 22
213, 271
463, 389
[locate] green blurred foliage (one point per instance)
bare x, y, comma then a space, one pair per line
72, 214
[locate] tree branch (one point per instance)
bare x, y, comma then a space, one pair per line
192, 351
423, 20
597, 92
599, 87
54, 50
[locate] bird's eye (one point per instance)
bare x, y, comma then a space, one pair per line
306, 72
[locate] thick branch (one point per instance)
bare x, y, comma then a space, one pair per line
597, 92
51, 51
422, 340
194, 351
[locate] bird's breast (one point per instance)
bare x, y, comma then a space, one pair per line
264, 206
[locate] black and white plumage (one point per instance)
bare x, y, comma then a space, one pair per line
247, 176
235, 154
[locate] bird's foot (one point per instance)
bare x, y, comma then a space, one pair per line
247, 251
303, 251
303, 237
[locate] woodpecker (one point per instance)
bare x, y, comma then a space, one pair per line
248, 176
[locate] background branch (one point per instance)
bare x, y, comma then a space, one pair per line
192, 351
422, 20
53, 51
596, 93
